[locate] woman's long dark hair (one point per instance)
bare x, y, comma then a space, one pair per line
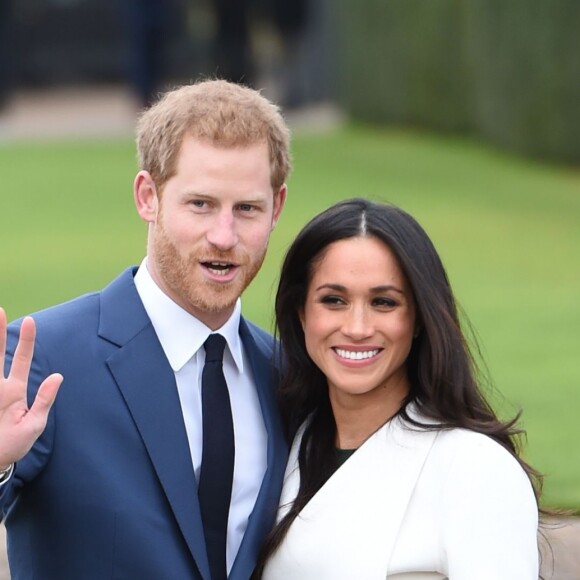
442, 372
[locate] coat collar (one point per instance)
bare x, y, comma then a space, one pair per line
370, 492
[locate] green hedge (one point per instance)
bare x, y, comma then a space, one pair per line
508, 70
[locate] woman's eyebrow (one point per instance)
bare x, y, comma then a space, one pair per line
374, 290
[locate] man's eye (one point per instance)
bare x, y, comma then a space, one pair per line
246, 207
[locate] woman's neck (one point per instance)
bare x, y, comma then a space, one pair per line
358, 417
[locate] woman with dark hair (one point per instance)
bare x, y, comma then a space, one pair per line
399, 466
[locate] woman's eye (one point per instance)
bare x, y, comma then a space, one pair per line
332, 300
384, 302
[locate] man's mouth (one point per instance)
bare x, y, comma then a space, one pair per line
219, 268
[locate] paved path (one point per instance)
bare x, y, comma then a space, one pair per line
68, 112
107, 111
561, 560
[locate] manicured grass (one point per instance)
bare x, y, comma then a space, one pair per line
508, 231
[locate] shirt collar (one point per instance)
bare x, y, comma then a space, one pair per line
181, 334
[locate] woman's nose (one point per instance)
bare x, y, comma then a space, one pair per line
358, 323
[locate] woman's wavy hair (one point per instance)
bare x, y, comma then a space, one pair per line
443, 375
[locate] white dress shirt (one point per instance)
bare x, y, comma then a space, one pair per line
182, 335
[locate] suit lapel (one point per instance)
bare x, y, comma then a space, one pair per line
147, 384
264, 512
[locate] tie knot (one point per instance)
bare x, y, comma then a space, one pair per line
214, 348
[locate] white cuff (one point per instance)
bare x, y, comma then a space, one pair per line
6, 474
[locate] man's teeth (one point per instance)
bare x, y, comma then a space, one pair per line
219, 268
356, 355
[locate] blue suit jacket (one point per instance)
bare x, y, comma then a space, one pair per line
108, 490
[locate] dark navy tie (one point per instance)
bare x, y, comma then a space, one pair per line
217, 462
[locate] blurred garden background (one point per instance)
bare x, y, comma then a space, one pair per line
464, 113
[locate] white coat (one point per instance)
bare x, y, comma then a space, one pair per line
415, 503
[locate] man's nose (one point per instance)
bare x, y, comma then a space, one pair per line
222, 232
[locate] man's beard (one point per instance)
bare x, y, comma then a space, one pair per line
182, 276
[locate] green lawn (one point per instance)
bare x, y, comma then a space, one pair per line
508, 231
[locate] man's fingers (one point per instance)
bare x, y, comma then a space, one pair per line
21, 427
24, 351
46, 395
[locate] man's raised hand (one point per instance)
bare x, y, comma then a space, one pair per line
20, 426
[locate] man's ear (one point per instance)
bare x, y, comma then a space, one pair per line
145, 196
279, 201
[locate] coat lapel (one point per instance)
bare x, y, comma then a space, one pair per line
366, 498
147, 384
